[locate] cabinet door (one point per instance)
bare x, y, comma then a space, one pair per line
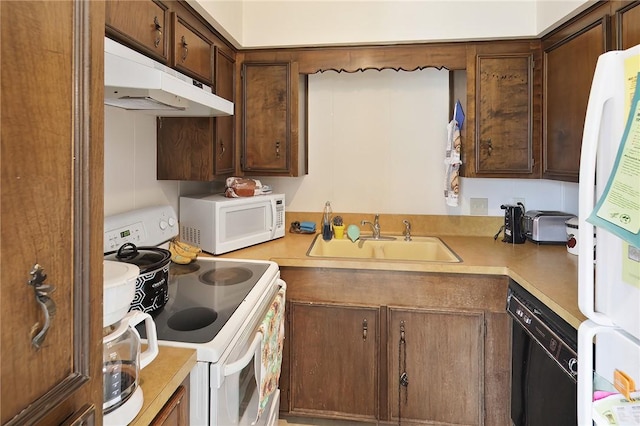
185, 148
626, 23
334, 360
270, 118
176, 411
441, 353
143, 25
504, 114
51, 201
225, 147
570, 58
192, 50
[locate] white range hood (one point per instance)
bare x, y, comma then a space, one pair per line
135, 82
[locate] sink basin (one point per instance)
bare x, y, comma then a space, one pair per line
421, 249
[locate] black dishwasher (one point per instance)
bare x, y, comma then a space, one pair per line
544, 363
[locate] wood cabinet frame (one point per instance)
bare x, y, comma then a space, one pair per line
52, 203
464, 293
471, 145
562, 136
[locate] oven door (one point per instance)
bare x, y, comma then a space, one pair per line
238, 398
541, 392
244, 396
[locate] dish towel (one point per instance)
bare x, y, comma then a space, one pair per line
272, 329
452, 164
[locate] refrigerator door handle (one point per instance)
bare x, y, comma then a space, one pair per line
601, 92
586, 332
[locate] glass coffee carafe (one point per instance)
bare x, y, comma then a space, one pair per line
122, 361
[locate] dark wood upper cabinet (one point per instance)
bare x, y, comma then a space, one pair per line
270, 100
626, 23
142, 25
192, 52
225, 149
200, 148
503, 87
570, 57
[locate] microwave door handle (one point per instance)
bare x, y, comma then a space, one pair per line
243, 361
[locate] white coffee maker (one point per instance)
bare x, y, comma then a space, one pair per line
122, 356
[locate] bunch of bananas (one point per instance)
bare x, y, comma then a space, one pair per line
182, 252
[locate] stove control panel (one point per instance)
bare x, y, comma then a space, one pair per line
149, 226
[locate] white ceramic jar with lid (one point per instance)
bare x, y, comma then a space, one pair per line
119, 290
571, 228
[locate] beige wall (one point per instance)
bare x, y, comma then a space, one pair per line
267, 23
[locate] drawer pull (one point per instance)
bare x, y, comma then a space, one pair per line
185, 49
158, 27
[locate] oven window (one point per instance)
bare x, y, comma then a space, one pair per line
541, 392
247, 389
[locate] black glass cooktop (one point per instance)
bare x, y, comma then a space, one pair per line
202, 297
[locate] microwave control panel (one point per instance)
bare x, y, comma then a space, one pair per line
279, 214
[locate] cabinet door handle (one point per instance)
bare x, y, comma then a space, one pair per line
46, 304
158, 27
365, 328
185, 49
277, 149
489, 146
222, 149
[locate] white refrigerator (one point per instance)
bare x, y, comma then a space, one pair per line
609, 219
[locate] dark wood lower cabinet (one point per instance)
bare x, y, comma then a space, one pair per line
337, 374
389, 347
176, 411
438, 354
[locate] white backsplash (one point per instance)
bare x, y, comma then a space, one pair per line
130, 165
376, 145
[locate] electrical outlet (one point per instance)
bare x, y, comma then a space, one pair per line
478, 206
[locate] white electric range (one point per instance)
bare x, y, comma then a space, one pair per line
218, 307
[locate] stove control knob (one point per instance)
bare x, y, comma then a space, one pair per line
573, 366
172, 222
163, 224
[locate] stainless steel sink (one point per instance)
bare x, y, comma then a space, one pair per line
421, 249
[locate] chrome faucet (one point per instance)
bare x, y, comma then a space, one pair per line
375, 226
407, 230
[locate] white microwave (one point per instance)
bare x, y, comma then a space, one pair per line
218, 224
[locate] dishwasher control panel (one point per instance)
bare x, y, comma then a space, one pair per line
533, 321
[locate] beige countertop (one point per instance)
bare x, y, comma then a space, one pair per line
549, 272
161, 378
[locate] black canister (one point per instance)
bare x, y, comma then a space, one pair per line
152, 285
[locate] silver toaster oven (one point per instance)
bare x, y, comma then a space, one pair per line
546, 226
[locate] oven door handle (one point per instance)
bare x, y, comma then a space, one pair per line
244, 360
